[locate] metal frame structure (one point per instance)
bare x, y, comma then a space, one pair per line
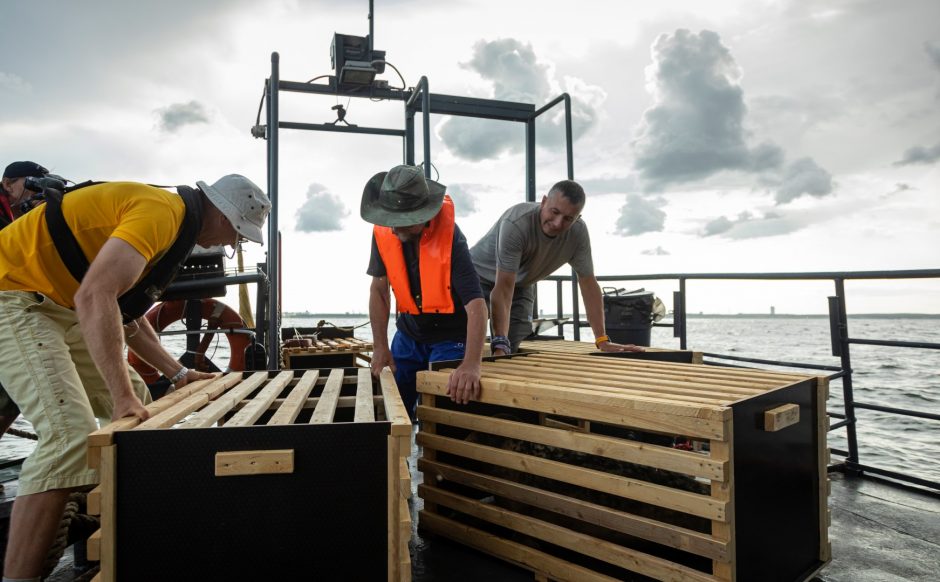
416, 100
839, 335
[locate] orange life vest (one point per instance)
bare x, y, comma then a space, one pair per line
437, 240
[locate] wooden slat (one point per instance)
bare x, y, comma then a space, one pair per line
781, 417
394, 509
105, 435
211, 414
196, 400
649, 529
529, 558
93, 546
640, 379
667, 458
326, 407
365, 408
769, 378
702, 421
642, 491
394, 408
723, 491
288, 410
620, 387
404, 475
108, 553
93, 501
252, 411
584, 348
265, 462
584, 544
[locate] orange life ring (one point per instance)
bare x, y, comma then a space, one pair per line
216, 314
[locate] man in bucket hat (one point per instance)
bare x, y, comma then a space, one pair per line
72, 271
419, 250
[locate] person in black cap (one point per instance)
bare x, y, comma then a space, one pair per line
419, 250
12, 193
13, 188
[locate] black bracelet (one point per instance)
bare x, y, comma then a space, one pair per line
500, 342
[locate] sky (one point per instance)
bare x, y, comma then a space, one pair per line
711, 137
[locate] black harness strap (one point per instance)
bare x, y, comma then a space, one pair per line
136, 301
65, 243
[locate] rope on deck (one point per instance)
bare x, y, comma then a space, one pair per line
22, 434
75, 525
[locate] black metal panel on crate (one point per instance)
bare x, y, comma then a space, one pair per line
258, 527
776, 484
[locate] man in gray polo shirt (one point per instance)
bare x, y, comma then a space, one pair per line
529, 242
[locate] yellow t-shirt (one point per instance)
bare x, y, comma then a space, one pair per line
145, 217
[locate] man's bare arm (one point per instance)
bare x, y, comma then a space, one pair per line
501, 302
380, 303
115, 270
144, 341
464, 384
594, 307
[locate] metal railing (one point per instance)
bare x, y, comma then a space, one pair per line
839, 335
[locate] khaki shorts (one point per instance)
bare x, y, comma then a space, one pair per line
47, 370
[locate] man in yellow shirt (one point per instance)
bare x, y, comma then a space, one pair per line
82, 265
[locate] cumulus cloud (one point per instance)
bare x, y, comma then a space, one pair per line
178, 115
640, 215
803, 176
919, 155
321, 212
657, 252
466, 200
933, 51
696, 126
516, 74
716, 226
747, 225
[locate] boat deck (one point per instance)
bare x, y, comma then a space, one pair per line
880, 532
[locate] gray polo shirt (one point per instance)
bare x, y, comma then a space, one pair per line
516, 244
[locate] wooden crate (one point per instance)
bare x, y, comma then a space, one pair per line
327, 353
560, 346
274, 476
585, 469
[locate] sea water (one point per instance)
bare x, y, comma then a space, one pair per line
897, 377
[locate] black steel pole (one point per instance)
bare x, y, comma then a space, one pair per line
848, 393
530, 160
274, 310
422, 89
568, 140
561, 308
679, 315
409, 153
371, 27
575, 309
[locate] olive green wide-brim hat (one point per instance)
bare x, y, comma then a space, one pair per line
401, 197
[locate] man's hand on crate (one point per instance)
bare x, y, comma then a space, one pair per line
464, 383
609, 346
381, 357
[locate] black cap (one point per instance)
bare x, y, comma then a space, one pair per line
23, 169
